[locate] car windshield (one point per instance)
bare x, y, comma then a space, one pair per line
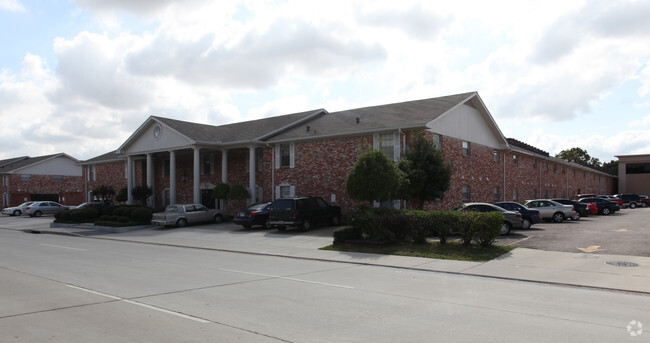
171, 209
257, 207
283, 204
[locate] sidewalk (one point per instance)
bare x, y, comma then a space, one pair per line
573, 269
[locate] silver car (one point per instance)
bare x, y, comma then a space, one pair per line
16, 210
183, 214
551, 210
40, 208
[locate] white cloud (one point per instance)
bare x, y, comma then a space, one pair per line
11, 5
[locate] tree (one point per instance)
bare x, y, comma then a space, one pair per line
103, 193
238, 192
580, 156
427, 176
611, 167
221, 191
141, 193
373, 178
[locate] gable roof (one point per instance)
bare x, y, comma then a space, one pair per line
19, 163
105, 158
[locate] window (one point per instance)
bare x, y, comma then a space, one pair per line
515, 194
57, 178
546, 194
466, 148
563, 170
92, 173
535, 163
555, 167
496, 155
388, 143
554, 194
284, 155
165, 168
495, 194
285, 191
208, 164
545, 166
26, 177
437, 141
515, 160
637, 168
534, 193
258, 160
466, 194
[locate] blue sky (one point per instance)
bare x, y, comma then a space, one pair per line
81, 76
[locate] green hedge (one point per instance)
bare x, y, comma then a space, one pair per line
117, 215
382, 224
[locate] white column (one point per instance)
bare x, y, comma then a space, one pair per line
129, 179
197, 176
251, 172
172, 177
150, 178
224, 166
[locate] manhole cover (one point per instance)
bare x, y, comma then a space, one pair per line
622, 264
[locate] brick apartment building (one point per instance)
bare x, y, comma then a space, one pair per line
310, 153
55, 177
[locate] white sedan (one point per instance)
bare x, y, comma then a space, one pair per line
16, 210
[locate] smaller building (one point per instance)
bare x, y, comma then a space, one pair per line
634, 174
55, 177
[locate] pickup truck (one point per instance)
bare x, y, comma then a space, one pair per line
302, 212
183, 214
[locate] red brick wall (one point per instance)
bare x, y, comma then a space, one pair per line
69, 190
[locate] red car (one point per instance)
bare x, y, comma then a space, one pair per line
592, 207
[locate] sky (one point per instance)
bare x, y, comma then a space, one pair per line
80, 76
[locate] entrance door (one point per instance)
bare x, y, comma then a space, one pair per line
206, 198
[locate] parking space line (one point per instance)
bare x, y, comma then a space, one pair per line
62, 247
286, 278
151, 307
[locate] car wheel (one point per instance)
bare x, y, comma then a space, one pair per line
281, 227
247, 226
218, 219
38, 214
181, 222
16, 213
643, 204
306, 225
505, 228
558, 217
606, 211
267, 225
632, 205
527, 224
576, 217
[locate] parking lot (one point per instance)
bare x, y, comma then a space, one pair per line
627, 232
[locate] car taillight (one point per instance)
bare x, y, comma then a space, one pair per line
519, 215
253, 214
295, 214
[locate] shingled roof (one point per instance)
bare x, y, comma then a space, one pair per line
15, 164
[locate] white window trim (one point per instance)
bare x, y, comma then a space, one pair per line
278, 193
292, 154
396, 144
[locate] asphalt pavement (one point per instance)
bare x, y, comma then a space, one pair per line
594, 267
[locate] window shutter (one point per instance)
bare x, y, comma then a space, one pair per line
292, 156
277, 157
292, 191
375, 141
277, 192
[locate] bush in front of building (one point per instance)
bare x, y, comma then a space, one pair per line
391, 225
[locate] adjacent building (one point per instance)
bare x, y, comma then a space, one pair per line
634, 174
55, 177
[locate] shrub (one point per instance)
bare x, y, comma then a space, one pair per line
84, 215
141, 215
370, 221
465, 226
443, 224
62, 215
487, 227
347, 233
123, 219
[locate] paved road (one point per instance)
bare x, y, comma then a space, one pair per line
626, 232
56, 288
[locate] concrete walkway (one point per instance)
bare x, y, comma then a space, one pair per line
592, 270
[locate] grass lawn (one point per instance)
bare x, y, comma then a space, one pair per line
449, 251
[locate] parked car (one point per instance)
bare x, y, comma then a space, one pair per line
184, 214
528, 216
551, 210
605, 207
644, 200
512, 220
629, 200
91, 204
16, 210
40, 208
255, 214
303, 212
583, 195
582, 209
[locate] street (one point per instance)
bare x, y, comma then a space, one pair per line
58, 288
